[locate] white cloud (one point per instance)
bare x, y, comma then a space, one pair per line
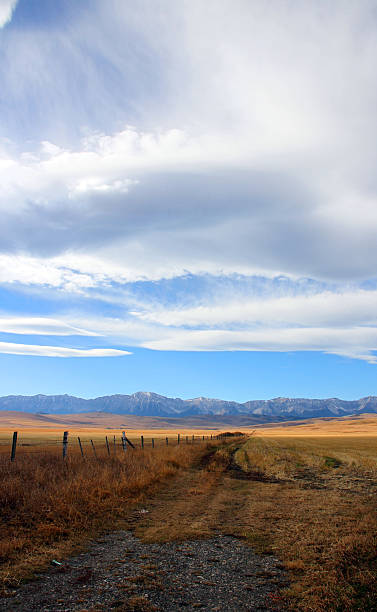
257, 173
6, 10
93, 185
45, 326
57, 351
168, 203
357, 342
333, 309
341, 323
59, 273
252, 152
104, 163
352, 340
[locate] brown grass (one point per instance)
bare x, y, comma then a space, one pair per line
47, 506
309, 501
294, 500
287, 457
317, 511
38, 439
357, 425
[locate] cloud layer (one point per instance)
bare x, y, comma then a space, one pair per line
6, 10
226, 140
37, 350
310, 318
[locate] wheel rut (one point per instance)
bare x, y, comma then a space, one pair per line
184, 549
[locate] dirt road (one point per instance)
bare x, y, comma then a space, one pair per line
184, 549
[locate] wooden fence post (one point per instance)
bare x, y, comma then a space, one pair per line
152, 442
129, 442
193, 439
178, 438
14, 444
80, 445
107, 446
115, 446
65, 444
142, 441
186, 439
124, 443
167, 441
94, 448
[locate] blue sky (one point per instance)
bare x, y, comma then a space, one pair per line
188, 198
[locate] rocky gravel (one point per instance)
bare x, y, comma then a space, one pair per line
120, 572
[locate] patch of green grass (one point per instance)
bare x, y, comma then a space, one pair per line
332, 462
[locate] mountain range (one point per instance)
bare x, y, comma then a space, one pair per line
151, 404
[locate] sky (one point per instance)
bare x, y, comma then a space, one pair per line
188, 198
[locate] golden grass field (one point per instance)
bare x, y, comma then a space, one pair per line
33, 440
305, 492
314, 505
35, 430
41, 431
48, 506
360, 425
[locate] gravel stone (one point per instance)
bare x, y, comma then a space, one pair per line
120, 572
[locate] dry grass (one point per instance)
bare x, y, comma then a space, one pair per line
357, 425
310, 501
317, 511
48, 506
286, 458
47, 424
37, 439
193, 507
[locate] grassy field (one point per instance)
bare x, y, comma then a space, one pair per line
308, 499
288, 457
49, 506
313, 504
34, 440
359, 425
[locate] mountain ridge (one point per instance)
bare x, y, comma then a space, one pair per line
147, 403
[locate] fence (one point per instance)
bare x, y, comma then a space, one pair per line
96, 446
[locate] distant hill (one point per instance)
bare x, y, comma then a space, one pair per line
13, 419
154, 405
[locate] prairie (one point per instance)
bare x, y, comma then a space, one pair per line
313, 503
358, 425
309, 501
49, 506
37, 440
305, 492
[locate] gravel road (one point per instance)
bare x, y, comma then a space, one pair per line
120, 572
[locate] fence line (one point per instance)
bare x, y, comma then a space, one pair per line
125, 442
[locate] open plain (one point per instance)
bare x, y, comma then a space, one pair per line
301, 498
